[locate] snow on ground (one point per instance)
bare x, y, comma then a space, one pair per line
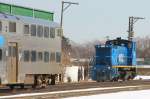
143, 94
142, 77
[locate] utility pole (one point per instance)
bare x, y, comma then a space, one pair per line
132, 21
64, 8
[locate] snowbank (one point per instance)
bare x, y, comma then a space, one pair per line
144, 94
141, 77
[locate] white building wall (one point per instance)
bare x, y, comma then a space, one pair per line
71, 74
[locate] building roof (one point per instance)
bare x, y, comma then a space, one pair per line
25, 11
28, 20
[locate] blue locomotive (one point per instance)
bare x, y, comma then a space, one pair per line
115, 60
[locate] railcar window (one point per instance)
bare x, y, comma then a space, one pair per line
0, 26
46, 32
52, 57
33, 56
0, 54
14, 51
26, 56
26, 29
58, 57
40, 31
9, 51
52, 32
33, 30
12, 27
59, 32
46, 56
40, 56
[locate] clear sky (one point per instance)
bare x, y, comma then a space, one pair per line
96, 19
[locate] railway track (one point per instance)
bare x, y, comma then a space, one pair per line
72, 86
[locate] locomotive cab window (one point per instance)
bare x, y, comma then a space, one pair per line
26, 29
0, 26
12, 26
33, 30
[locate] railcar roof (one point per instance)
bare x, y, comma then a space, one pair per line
28, 20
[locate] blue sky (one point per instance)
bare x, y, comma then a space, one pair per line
96, 19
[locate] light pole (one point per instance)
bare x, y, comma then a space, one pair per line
68, 4
132, 21
65, 5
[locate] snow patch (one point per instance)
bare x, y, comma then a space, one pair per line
141, 77
144, 94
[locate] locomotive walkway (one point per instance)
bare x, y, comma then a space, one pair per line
76, 89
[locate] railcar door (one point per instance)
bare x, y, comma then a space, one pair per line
12, 62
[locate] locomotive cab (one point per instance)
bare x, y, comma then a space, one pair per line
115, 60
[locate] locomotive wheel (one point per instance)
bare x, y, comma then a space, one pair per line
11, 87
22, 86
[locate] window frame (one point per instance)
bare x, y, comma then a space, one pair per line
35, 31
52, 57
40, 58
15, 27
58, 57
59, 32
52, 32
28, 29
48, 32
27, 59
46, 59
33, 56
40, 33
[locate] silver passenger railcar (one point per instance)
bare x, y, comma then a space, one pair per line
30, 51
